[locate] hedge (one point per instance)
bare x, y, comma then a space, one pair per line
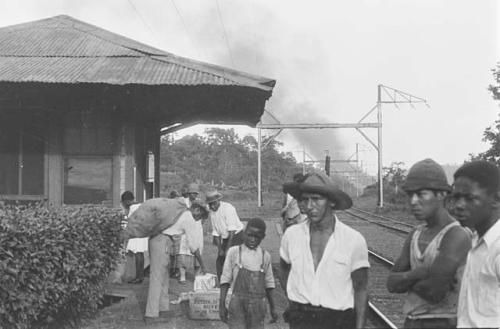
54, 262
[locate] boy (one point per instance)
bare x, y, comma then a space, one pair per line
137, 246
248, 270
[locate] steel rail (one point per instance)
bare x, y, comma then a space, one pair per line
379, 313
383, 217
399, 230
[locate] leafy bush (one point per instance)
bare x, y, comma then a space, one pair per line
53, 263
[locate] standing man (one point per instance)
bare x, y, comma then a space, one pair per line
324, 263
290, 211
431, 263
475, 201
159, 245
227, 229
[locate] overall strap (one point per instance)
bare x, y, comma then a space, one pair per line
239, 254
262, 265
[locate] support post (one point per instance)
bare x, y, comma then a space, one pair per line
379, 151
259, 167
356, 173
303, 160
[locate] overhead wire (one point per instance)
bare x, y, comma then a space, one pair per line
185, 28
225, 32
143, 20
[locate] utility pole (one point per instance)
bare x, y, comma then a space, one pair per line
357, 170
379, 148
397, 97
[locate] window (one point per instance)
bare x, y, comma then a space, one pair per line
88, 180
22, 163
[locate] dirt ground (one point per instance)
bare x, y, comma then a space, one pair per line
128, 313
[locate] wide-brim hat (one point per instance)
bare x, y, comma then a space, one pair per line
321, 184
193, 188
212, 196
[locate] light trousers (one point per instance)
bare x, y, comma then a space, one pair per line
158, 300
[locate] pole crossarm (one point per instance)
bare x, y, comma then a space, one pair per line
406, 97
317, 125
343, 161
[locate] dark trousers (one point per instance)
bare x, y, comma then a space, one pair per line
430, 323
219, 262
306, 316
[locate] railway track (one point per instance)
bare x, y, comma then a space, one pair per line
386, 306
389, 223
385, 238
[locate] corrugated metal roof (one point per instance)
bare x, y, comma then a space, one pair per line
62, 49
116, 71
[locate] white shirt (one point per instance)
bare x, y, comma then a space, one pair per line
225, 219
479, 300
251, 260
331, 285
186, 225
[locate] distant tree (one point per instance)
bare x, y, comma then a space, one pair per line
491, 134
395, 175
221, 158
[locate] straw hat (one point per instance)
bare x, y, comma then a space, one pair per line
212, 196
193, 188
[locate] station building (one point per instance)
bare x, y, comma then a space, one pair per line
82, 110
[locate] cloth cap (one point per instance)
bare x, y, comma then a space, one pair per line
426, 174
321, 184
212, 196
193, 188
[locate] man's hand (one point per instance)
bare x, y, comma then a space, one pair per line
202, 270
223, 311
222, 252
274, 316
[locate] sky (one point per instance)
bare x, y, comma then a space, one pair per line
328, 58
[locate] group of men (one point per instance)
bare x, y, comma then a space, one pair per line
449, 265
184, 241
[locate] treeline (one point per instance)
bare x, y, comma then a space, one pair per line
223, 159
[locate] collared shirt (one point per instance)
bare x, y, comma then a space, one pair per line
479, 300
330, 285
225, 219
186, 225
251, 260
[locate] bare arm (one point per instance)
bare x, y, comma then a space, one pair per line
222, 302
452, 252
272, 309
229, 240
198, 257
360, 284
284, 272
402, 277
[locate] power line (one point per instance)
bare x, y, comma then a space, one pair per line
185, 28
225, 33
143, 20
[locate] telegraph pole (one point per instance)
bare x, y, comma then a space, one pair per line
395, 97
379, 148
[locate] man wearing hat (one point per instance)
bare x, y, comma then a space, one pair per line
227, 229
324, 263
431, 263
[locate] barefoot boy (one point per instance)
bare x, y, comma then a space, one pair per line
248, 270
